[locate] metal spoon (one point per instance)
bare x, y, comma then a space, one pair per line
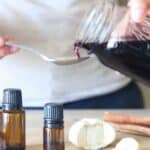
58, 61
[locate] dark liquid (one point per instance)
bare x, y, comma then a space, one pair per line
130, 58
53, 138
54, 146
13, 148
13, 130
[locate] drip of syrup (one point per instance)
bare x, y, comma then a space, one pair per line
77, 53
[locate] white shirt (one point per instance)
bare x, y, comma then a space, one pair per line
50, 26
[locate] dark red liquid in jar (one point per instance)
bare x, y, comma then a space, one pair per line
130, 58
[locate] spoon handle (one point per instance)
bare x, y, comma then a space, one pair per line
18, 46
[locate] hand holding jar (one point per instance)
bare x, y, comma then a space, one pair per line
139, 9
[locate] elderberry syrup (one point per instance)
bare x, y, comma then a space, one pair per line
131, 58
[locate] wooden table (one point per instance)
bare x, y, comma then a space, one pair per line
35, 125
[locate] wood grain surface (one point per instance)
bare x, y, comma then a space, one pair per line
35, 125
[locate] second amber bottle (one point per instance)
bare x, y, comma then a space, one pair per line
53, 132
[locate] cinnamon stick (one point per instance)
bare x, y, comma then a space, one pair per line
130, 132
127, 119
134, 129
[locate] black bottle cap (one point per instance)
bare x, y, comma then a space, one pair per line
12, 99
53, 114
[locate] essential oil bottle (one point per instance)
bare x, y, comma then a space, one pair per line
53, 138
12, 131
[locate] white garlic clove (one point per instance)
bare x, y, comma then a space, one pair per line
91, 134
127, 144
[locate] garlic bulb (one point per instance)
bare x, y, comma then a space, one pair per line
127, 144
91, 134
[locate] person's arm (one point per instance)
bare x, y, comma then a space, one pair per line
6, 50
139, 9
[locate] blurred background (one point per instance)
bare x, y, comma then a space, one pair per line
25, 70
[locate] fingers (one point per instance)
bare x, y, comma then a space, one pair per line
1, 42
9, 39
6, 50
139, 9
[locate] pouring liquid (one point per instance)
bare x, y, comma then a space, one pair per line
131, 58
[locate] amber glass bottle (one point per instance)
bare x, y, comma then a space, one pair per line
53, 138
12, 132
